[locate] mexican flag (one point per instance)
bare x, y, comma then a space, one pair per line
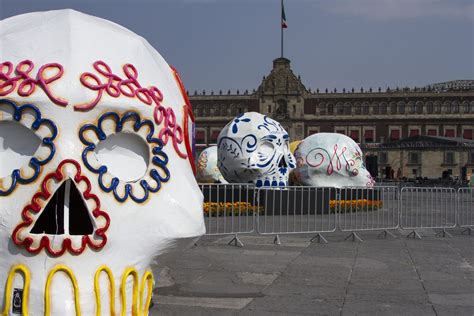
283, 16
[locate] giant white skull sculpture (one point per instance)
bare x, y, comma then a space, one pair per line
253, 148
207, 169
331, 160
110, 184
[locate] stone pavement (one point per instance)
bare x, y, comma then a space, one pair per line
431, 276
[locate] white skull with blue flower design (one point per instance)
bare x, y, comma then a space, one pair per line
253, 148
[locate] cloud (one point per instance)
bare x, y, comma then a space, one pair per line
402, 9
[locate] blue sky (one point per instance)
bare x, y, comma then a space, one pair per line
230, 44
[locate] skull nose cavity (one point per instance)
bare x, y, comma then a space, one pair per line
65, 213
282, 163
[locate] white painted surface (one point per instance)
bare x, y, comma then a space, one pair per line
138, 232
207, 169
331, 160
253, 148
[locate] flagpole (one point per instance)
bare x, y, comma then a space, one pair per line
281, 28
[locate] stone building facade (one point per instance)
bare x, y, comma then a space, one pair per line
371, 117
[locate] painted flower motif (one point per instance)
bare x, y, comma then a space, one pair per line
237, 120
283, 170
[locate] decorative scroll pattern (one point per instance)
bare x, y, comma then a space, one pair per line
21, 80
116, 86
159, 160
35, 162
26, 289
96, 241
336, 161
140, 304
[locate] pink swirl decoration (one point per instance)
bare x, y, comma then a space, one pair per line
317, 156
115, 86
19, 78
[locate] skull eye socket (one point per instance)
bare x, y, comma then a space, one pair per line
26, 144
266, 148
125, 155
18, 145
117, 153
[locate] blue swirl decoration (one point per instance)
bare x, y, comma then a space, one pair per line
159, 160
35, 163
270, 125
238, 119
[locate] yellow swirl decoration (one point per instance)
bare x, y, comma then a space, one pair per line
140, 305
148, 279
133, 272
111, 290
47, 298
8, 289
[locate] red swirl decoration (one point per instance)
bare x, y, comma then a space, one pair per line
19, 78
187, 116
35, 207
335, 162
116, 86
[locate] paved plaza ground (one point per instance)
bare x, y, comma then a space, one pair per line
431, 276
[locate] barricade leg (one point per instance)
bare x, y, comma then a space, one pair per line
414, 234
469, 230
320, 238
354, 237
236, 241
277, 241
443, 234
386, 233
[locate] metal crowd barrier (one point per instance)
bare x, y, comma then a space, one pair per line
235, 209
465, 209
229, 209
297, 210
368, 209
427, 208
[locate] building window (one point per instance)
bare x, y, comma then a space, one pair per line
429, 107
395, 134
414, 132
401, 107
383, 108
393, 108
382, 158
365, 109
449, 132
214, 136
355, 136
357, 109
200, 136
419, 107
467, 134
449, 158
455, 107
341, 131
432, 132
330, 109
369, 136
375, 109
347, 109
414, 158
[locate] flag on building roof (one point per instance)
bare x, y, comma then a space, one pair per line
283, 16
